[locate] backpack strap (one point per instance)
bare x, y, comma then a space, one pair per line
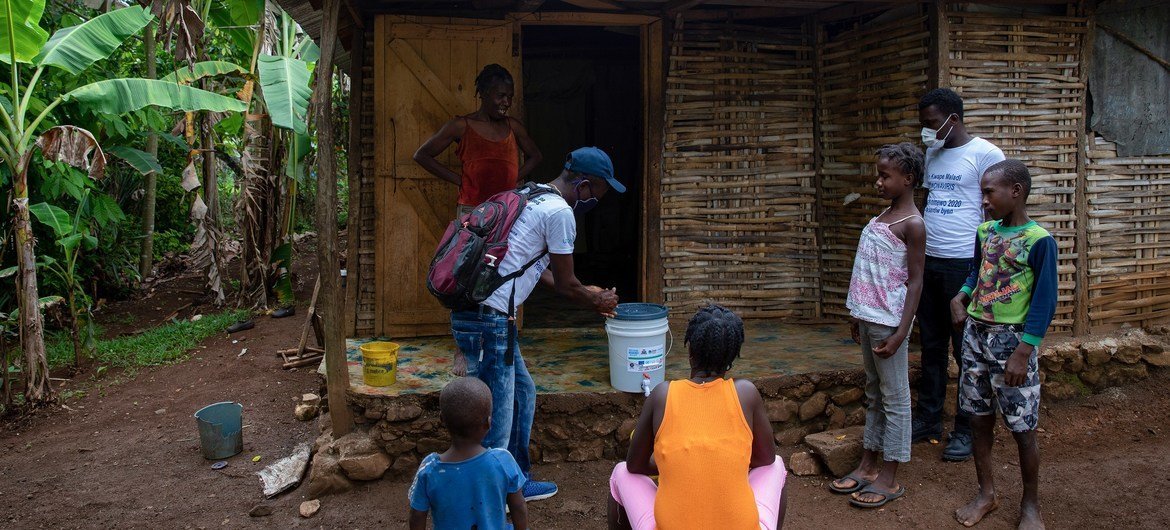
510, 354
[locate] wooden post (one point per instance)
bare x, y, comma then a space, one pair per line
818, 159
336, 369
940, 46
1081, 192
357, 63
655, 59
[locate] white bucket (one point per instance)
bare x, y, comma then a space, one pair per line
638, 346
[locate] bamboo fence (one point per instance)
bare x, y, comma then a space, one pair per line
872, 77
1129, 237
738, 197
364, 255
1023, 89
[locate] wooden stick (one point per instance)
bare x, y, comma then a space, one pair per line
1133, 44
291, 351
303, 362
309, 319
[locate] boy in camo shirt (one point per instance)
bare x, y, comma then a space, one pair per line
1006, 307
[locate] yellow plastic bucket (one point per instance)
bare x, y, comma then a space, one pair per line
379, 363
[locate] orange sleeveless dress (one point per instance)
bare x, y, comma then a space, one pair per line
488, 167
703, 449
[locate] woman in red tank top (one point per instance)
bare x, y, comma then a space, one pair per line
489, 143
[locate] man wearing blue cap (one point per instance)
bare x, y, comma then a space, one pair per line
483, 335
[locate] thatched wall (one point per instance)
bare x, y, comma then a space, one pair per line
737, 195
872, 76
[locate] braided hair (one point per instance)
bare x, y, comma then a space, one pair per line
489, 76
714, 337
906, 156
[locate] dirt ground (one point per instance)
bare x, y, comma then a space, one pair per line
126, 455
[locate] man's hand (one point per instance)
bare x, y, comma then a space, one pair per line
1015, 373
855, 330
958, 311
887, 348
604, 300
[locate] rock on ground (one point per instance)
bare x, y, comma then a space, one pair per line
840, 449
804, 464
309, 508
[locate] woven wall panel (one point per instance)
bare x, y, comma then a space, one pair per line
1023, 89
872, 79
365, 311
1129, 237
737, 198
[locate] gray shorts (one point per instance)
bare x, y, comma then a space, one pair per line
986, 349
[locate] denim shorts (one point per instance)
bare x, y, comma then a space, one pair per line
986, 349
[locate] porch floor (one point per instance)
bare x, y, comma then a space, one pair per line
577, 359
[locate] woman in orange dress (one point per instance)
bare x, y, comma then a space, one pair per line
701, 435
489, 141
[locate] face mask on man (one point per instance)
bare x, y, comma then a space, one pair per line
583, 206
930, 136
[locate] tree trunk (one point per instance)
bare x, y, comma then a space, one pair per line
150, 181
32, 339
337, 370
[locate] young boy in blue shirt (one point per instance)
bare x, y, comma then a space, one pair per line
1006, 306
467, 486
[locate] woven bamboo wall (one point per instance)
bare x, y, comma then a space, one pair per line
738, 198
1023, 89
872, 77
1129, 237
364, 253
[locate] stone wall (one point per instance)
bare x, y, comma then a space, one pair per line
594, 426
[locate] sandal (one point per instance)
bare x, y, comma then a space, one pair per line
887, 496
858, 483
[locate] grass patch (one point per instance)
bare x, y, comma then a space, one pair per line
165, 344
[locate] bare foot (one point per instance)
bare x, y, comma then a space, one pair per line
1030, 518
973, 512
459, 365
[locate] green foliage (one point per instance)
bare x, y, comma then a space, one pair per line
203, 69
21, 19
285, 81
141, 161
119, 96
76, 48
170, 241
165, 344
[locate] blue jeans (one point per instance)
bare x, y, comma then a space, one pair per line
483, 340
941, 280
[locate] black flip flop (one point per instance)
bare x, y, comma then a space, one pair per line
887, 496
858, 483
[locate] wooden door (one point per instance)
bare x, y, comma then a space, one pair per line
424, 75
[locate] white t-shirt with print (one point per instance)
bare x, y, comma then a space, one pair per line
954, 205
546, 222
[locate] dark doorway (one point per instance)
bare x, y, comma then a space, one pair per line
582, 87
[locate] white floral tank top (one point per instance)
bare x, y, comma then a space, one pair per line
877, 290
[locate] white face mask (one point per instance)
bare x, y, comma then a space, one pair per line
930, 136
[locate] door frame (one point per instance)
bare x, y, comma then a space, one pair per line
652, 61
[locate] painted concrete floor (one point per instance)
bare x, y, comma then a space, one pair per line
577, 359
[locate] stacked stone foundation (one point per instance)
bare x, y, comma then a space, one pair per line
579, 427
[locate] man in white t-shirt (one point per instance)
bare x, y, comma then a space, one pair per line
955, 161
485, 335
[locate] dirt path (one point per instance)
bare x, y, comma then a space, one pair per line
126, 456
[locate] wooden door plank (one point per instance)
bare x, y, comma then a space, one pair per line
423, 73
430, 220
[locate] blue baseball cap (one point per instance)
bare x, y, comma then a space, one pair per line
594, 161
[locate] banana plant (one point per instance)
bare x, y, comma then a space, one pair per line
69, 51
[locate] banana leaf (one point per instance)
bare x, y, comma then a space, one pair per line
75, 48
53, 217
119, 96
141, 161
203, 69
22, 19
282, 261
286, 91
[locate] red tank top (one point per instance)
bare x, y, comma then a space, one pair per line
488, 167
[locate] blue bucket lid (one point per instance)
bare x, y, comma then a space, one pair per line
640, 311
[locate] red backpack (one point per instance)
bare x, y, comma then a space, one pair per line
465, 269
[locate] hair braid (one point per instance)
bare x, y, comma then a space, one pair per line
714, 338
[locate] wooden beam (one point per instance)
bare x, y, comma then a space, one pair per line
599, 5
939, 74
1081, 322
355, 152
674, 7
336, 367
581, 19
654, 61
818, 157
